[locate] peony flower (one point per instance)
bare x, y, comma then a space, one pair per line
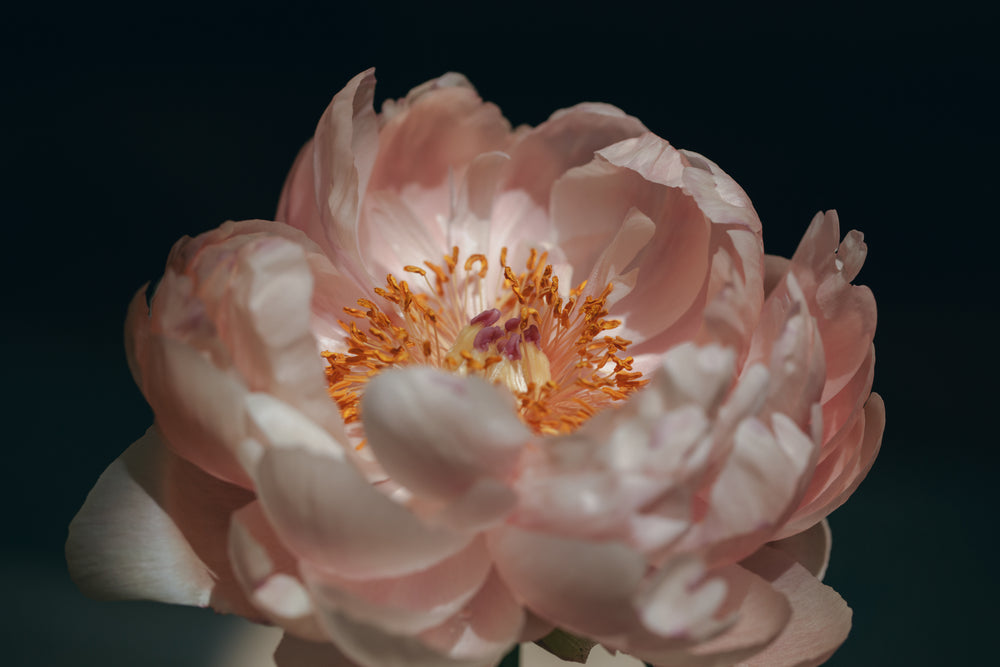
479, 387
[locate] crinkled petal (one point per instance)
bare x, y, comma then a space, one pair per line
820, 618
153, 527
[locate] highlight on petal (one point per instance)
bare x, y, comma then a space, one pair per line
153, 528
437, 434
327, 513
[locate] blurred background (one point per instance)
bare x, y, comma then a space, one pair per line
125, 128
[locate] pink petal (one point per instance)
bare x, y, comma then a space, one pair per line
436, 433
759, 486
477, 636
756, 614
847, 470
820, 618
447, 125
326, 511
409, 604
845, 313
268, 573
643, 174
342, 155
787, 340
592, 598
154, 527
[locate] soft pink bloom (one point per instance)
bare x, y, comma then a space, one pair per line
366, 435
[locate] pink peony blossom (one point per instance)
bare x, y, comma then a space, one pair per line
478, 384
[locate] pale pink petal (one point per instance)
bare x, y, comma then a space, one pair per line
477, 636
845, 313
569, 138
154, 527
436, 433
447, 126
756, 614
409, 604
734, 293
592, 598
810, 548
820, 618
759, 486
848, 469
269, 575
295, 652
342, 156
636, 174
328, 513
788, 341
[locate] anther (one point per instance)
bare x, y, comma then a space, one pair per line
512, 324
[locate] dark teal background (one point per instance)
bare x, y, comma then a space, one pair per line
125, 128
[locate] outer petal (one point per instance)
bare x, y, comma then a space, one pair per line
152, 528
478, 636
335, 168
820, 618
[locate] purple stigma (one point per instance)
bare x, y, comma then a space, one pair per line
512, 348
532, 335
486, 318
486, 337
512, 323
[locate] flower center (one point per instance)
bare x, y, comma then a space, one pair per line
551, 353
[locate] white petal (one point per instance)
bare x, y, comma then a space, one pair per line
148, 530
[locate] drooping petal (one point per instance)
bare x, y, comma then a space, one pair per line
820, 618
154, 528
437, 434
327, 512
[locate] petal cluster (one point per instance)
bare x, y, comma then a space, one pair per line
479, 383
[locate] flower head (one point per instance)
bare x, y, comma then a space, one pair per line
478, 384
